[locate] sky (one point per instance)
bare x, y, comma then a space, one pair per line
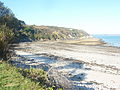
93, 16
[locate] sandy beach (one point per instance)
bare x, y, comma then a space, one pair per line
84, 66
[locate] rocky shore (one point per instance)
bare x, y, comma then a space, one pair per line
74, 66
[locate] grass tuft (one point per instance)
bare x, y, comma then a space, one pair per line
12, 78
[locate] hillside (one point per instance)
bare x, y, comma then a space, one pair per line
33, 32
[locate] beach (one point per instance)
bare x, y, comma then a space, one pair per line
86, 67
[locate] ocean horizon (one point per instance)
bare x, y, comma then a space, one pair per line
110, 39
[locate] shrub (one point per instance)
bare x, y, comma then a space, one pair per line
11, 79
6, 36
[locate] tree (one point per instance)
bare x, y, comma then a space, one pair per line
4, 10
7, 18
9, 30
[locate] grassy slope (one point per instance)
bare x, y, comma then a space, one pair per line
12, 78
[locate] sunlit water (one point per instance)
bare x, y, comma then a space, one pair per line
112, 40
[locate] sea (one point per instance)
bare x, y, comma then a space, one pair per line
111, 40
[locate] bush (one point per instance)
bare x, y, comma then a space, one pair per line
11, 79
37, 75
6, 37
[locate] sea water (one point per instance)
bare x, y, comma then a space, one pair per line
111, 40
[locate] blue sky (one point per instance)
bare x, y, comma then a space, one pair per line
93, 16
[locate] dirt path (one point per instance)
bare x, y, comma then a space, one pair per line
88, 67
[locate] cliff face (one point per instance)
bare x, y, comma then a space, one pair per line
52, 33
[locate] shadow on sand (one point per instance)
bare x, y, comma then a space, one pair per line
69, 81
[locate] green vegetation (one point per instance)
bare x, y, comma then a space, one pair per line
51, 33
12, 78
6, 36
9, 31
